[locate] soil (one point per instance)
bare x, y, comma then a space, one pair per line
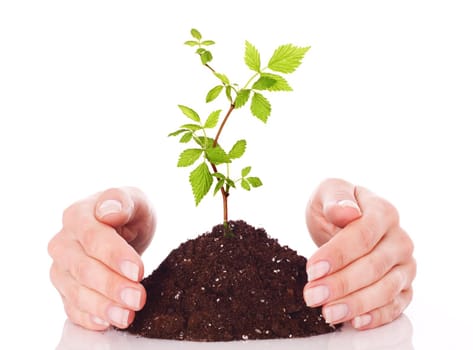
216, 288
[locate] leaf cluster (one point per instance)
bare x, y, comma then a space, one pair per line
205, 150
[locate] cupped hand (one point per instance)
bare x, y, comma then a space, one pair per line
96, 265
364, 268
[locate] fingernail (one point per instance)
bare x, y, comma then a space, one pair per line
334, 313
361, 321
316, 295
118, 315
317, 270
99, 321
348, 203
131, 297
130, 270
110, 206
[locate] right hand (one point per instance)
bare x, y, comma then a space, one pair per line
96, 265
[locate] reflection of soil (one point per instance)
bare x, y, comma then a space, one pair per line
394, 336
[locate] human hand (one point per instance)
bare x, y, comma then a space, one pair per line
364, 268
96, 263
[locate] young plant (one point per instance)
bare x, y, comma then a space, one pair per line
205, 149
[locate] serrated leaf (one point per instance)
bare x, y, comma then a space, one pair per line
208, 42
242, 98
204, 142
201, 181
260, 107
196, 34
212, 119
245, 184
254, 181
252, 57
245, 171
205, 56
186, 137
219, 185
191, 127
177, 132
238, 149
213, 93
190, 113
189, 157
191, 43
287, 58
264, 83
280, 84
217, 155
223, 78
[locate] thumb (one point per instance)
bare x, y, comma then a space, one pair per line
114, 207
339, 203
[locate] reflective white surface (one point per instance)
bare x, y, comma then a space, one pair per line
394, 336
89, 91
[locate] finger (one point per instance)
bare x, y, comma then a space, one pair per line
395, 248
332, 206
95, 275
372, 297
100, 241
127, 210
384, 314
84, 319
88, 301
357, 239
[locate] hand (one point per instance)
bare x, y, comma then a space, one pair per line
364, 268
96, 263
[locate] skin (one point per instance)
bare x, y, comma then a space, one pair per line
364, 262
364, 268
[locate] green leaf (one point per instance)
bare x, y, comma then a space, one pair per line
213, 93
219, 176
208, 42
191, 127
189, 157
223, 78
186, 137
196, 34
217, 155
190, 113
254, 181
245, 185
280, 84
191, 43
287, 58
245, 171
228, 92
230, 183
177, 132
238, 149
252, 57
205, 56
242, 98
212, 119
204, 142
260, 107
201, 181
219, 185
264, 83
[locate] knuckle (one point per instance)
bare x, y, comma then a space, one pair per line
377, 267
367, 236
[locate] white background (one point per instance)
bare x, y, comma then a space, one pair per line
89, 91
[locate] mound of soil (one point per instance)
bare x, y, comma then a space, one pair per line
216, 288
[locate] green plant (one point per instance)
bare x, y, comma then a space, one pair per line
206, 149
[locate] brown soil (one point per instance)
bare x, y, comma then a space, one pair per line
216, 288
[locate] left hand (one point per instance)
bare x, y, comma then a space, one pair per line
364, 268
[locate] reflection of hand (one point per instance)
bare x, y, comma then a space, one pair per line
96, 264
364, 268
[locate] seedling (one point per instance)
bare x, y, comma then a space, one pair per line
214, 163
